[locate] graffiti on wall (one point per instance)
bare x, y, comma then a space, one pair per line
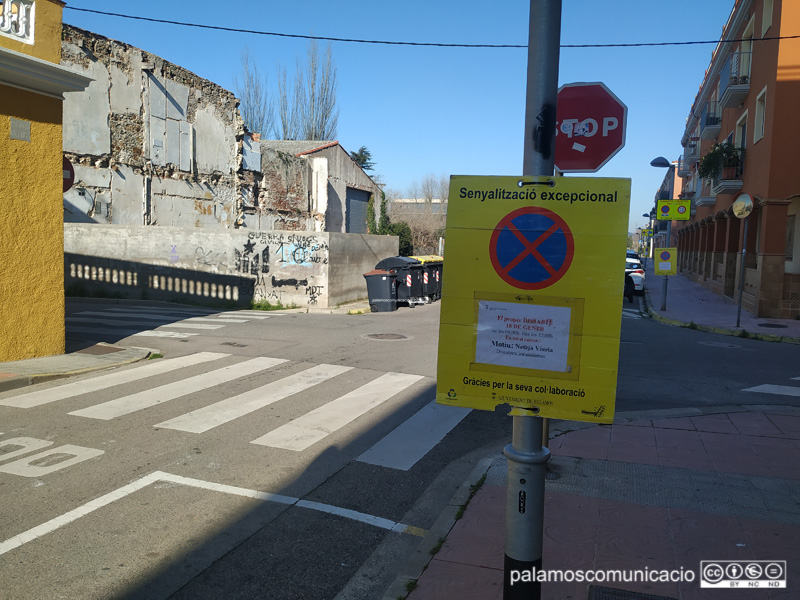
266, 250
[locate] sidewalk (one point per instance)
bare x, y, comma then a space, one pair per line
662, 490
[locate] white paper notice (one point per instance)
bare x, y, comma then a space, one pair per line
522, 335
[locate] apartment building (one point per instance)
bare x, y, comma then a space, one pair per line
742, 136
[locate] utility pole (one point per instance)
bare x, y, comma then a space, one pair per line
527, 457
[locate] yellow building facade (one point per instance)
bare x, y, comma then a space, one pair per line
32, 84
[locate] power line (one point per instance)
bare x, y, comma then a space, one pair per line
396, 43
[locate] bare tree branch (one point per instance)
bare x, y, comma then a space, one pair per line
255, 105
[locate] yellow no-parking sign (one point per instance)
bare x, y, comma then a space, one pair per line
665, 261
531, 305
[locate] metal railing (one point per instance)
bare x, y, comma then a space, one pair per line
711, 115
735, 71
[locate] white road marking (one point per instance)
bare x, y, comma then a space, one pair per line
159, 476
312, 427
178, 324
24, 467
412, 440
164, 309
160, 333
134, 315
185, 325
27, 445
631, 313
208, 417
780, 390
139, 401
216, 320
237, 315
87, 386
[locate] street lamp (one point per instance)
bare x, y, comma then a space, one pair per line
648, 237
663, 162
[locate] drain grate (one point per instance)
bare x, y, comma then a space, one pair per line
604, 593
387, 336
775, 325
233, 344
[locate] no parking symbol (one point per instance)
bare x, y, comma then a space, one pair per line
531, 248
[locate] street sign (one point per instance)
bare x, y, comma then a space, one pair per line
69, 173
532, 304
590, 127
673, 210
666, 261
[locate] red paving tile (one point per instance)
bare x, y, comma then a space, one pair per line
633, 453
583, 450
718, 423
674, 423
754, 424
627, 434
451, 581
677, 437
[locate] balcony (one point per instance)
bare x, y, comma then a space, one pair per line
710, 121
728, 179
692, 153
16, 20
706, 197
683, 169
734, 80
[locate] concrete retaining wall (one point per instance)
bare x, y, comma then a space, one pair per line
207, 266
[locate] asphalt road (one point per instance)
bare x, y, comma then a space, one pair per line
191, 482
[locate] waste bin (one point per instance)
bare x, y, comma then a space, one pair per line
431, 276
409, 278
381, 290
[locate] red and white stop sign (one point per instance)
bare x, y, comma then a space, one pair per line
590, 127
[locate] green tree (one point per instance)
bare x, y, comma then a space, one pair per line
363, 158
403, 231
384, 223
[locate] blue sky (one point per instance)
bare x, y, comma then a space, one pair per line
449, 111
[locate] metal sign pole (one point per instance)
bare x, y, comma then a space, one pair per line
527, 458
741, 275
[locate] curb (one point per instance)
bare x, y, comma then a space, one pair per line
20, 381
418, 562
742, 333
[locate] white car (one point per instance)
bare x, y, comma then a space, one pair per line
634, 268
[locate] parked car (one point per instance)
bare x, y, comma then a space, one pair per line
634, 255
633, 267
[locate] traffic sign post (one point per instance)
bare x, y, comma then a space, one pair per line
531, 316
742, 207
590, 127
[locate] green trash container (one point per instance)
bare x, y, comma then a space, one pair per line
381, 290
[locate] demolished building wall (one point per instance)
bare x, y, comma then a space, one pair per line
151, 143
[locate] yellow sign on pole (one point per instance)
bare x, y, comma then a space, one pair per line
673, 210
532, 301
666, 261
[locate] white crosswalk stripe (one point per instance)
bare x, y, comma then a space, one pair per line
138, 320
780, 390
202, 420
102, 382
631, 313
363, 392
135, 402
318, 424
